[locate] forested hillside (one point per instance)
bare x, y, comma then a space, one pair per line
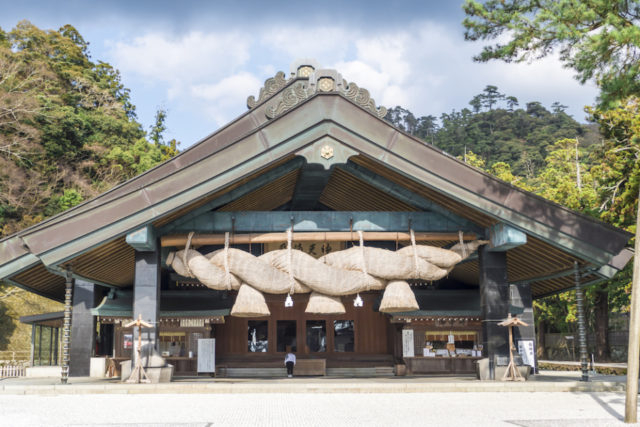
496, 130
68, 131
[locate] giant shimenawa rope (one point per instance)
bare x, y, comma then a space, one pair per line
346, 272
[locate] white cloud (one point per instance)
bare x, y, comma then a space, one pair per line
192, 57
225, 99
425, 66
396, 66
326, 44
195, 66
428, 68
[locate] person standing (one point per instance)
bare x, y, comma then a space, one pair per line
290, 361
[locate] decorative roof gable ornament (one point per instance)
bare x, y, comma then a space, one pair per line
271, 86
312, 80
300, 69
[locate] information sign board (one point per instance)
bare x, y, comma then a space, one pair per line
407, 343
526, 349
207, 355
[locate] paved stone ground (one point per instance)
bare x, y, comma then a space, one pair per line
319, 409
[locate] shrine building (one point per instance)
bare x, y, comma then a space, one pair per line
310, 170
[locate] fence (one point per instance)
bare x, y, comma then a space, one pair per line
12, 371
14, 363
567, 347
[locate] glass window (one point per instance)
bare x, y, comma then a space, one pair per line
316, 335
286, 335
258, 336
45, 346
343, 335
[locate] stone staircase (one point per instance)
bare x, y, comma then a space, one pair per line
259, 372
373, 371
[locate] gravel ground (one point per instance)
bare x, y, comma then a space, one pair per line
348, 409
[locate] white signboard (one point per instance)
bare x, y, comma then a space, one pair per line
207, 355
526, 350
407, 343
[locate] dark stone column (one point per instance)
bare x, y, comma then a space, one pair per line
83, 328
521, 298
146, 299
494, 302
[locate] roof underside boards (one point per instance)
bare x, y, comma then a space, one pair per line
42, 281
267, 198
182, 211
113, 263
344, 192
384, 150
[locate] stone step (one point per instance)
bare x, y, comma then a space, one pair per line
378, 371
252, 372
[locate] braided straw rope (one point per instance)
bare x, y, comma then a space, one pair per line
340, 273
186, 251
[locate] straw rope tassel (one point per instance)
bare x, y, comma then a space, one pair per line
364, 258
292, 282
186, 251
462, 245
415, 253
227, 276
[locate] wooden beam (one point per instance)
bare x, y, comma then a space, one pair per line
504, 237
143, 239
320, 221
179, 240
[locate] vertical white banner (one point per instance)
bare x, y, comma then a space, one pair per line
407, 343
525, 348
207, 355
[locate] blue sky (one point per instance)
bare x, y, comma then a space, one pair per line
200, 60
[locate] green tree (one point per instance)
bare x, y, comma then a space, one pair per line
158, 128
68, 131
67, 125
512, 102
617, 167
156, 134
491, 96
403, 119
566, 178
599, 39
476, 103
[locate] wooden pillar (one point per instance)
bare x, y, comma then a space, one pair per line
494, 304
146, 299
83, 328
